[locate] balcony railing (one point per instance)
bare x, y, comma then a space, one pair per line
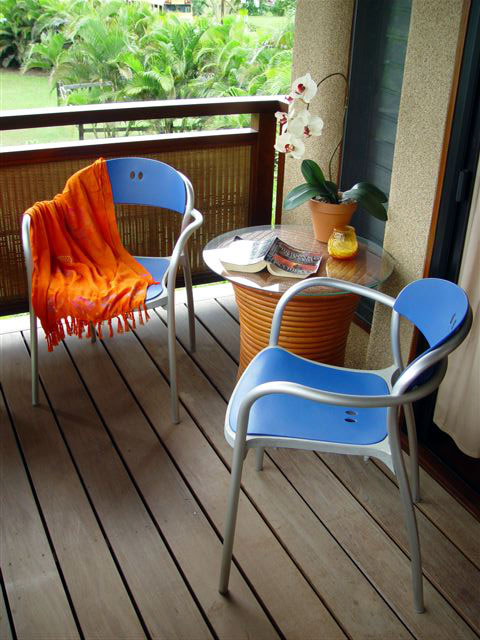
232, 171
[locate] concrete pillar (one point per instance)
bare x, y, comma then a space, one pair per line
427, 85
322, 42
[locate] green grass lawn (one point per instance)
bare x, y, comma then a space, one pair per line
30, 91
25, 91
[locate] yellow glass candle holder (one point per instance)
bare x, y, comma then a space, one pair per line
342, 243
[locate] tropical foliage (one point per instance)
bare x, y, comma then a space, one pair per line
129, 51
22, 23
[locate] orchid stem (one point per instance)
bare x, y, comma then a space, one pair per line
331, 75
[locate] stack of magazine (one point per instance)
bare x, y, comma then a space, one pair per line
277, 256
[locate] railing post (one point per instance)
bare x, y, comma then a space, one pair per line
261, 193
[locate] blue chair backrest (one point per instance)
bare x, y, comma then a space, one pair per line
436, 307
148, 182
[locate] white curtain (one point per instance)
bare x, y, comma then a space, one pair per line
458, 403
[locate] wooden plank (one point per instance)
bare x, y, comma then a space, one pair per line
216, 364
294, 606
380, 560
165, 604
9, 324
5, 629
445, 566
230, 305
102, 606
27, 560
221, 325
186, 529
458, 524
205, 292
362, 612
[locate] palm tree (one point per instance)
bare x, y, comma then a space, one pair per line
132, 53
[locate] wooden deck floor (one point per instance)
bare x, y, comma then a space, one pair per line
112, 517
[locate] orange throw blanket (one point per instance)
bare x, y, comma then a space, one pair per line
82, 273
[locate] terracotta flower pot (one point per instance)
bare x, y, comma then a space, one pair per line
326, 216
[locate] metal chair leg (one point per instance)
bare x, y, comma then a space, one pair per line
411, 524
93, 333
34, 354
172, 360
259, 458
413, 450
232, 510
191, 315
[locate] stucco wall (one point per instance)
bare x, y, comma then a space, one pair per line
321, 46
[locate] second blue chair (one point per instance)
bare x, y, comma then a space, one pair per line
283, 400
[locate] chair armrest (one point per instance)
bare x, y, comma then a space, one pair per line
180, 246
333, 283
26, 244
186, 233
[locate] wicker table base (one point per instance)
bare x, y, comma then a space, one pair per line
315, 327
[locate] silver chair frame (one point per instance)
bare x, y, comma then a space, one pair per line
389, 451
192, 219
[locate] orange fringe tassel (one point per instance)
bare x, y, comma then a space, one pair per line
76, 327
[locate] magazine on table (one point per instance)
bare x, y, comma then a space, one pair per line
278, 257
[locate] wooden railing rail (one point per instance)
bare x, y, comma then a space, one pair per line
232, 171
151, 110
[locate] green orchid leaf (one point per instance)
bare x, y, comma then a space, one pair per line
371, 188
299, 195
312, 173
333, 191
314, 176
368, 201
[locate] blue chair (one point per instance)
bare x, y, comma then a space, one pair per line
142, 181
283, 400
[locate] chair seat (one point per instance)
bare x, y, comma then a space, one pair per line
157, 267
281, 415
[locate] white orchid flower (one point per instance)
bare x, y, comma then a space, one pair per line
291, 145
304, 87
297, 124
295, 107
282, 117
304, 124
314, 127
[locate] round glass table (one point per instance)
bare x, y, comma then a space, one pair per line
316, 322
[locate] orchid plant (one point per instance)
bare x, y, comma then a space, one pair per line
297, 125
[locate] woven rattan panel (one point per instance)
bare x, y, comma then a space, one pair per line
220, 178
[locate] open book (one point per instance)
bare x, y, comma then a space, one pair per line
277, 256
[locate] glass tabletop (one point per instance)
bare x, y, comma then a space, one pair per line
370, 267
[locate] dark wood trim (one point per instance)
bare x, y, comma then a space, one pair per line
122, 111
280, 183
261, 194
118, 146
